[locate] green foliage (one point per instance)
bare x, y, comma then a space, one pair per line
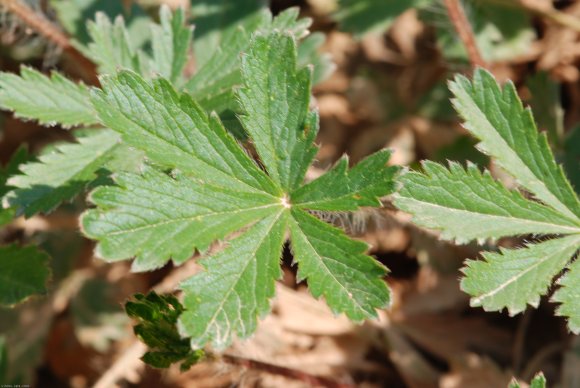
364, 16
50, 100
157, 328
539, 381
466, 204
23, 273
3, 361
501, 31
19, 157
158, 215
60, 174
113, 47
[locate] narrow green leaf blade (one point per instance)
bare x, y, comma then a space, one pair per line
176, 132
569, 294
49, 100
467, 205
514, 278
156, 217
171, 43
60, 175
508, 133
236, 287
343, 190
337, 268
275, 97
23, 273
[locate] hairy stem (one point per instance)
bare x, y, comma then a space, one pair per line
463, 28
52, 33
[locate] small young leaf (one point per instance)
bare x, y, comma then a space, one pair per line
61, 174
508, 133
23, 273
157, 316
49, 100
467, 205
513, 278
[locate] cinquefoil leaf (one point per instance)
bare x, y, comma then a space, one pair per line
212, 190
508, 133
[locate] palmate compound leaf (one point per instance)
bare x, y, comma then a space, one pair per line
23, 273
508, 133
216, 189
49, 100
467, 205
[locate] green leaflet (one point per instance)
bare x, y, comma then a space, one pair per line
467, 205
276, 108
340, 189
236, 287
49, 100
154, 216
214, 190
514, 278
176, 132
336, 267
23, 273
60, 174
569, 294
508, 133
